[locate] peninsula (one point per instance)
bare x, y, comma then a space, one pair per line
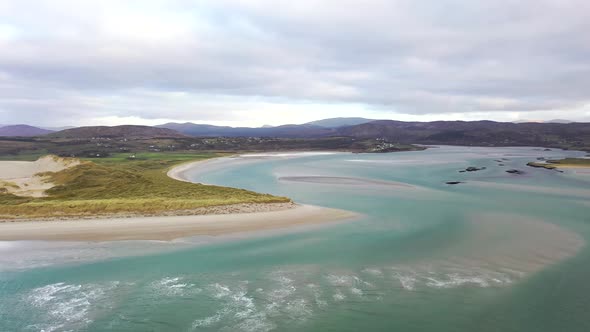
120, 198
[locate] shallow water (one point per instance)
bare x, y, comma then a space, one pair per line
499, 252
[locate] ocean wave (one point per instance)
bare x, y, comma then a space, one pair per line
175, 287
64, 306
410, 279
338, 296
291, 298
408, 282
238, 310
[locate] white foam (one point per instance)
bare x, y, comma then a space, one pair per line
338, 296
65, 306
175, 287
317, 295
238, 309
455, 280
356, 291
408, 282
256, 323
340, 280
290, 298
207, 321
298, 309
220, 290
373, 271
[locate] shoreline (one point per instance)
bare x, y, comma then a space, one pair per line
207, 221
178, 172
169, 228
206, 210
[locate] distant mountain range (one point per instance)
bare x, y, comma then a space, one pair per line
339, 122
482, 133
22, 130
474, 132
436, 132
319, 128
560, 121
126, 131
203, 130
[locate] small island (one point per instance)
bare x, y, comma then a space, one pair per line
515, 171
561, 163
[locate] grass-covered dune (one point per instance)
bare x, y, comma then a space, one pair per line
124, 185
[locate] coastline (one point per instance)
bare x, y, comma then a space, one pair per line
208, 221
168, 228
178, 172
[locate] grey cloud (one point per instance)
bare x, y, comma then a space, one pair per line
414, 57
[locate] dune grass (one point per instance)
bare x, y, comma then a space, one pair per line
124, 185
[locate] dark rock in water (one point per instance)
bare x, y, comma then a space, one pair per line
498, 160
547, 150
472, 169
515, 171
505, 159
453, 182
501, 165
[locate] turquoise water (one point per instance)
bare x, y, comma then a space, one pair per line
500, 252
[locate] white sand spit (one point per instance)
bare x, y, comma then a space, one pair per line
169, 227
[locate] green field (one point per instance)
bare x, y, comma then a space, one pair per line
120, 184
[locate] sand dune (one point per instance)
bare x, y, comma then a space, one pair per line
21, 177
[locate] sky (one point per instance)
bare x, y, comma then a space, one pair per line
254, 63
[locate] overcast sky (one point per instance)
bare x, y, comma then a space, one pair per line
252, 62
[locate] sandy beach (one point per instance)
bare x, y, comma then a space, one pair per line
169, 227
179, 172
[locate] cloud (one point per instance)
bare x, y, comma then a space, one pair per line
224, 61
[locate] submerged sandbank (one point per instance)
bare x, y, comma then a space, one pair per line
497, 249
556, 191
169, 227
339, 180
196, 168
514, 242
